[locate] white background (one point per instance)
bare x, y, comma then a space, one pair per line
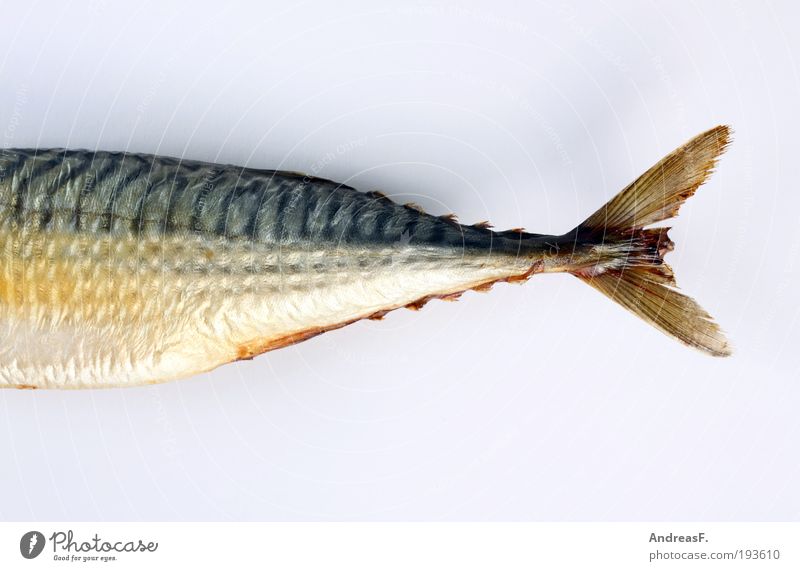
542, 402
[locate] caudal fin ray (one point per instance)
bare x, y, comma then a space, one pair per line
659, 193
663, 307
637, 277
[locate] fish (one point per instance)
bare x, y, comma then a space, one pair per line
120, 269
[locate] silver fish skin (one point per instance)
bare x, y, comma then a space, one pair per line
120, 269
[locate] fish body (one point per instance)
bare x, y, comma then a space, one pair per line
119, 269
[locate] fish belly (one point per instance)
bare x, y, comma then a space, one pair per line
84, 310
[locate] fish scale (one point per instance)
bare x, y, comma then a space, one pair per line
119, 269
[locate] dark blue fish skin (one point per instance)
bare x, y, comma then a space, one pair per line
133, 194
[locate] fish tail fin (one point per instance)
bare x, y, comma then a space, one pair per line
629, 265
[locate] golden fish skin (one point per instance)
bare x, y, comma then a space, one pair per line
124, 269
119, 269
